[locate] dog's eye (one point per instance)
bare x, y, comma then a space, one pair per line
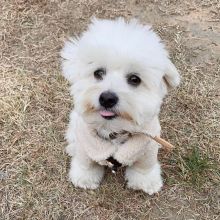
133, 80
99, 73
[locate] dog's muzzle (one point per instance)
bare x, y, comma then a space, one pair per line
108, 99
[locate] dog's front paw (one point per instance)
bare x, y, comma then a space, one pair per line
149, 180
85, 177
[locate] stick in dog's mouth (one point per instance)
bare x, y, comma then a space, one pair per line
159, 140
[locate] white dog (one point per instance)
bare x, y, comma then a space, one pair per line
119, 73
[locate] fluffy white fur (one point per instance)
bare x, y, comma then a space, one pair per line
121, 48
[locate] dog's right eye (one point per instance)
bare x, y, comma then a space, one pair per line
133, 80
99, 73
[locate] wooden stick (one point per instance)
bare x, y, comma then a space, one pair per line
163, 142
160, 140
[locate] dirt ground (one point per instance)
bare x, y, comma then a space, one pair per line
35, 103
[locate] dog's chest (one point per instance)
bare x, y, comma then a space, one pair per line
116, 138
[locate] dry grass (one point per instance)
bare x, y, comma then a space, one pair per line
34, 107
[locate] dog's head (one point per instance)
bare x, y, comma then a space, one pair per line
119, 73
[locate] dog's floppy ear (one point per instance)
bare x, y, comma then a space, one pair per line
172, 76
68, 53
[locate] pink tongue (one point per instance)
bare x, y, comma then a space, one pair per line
106, 113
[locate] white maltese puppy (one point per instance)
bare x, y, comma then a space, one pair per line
119, 73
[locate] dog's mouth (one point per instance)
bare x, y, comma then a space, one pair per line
107, 114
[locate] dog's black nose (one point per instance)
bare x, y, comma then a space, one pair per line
108, 99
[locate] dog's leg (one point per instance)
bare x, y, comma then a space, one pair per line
85, 173
70, 149
145, 174
149, 180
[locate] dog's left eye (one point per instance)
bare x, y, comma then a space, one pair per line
99, 73
133, 80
